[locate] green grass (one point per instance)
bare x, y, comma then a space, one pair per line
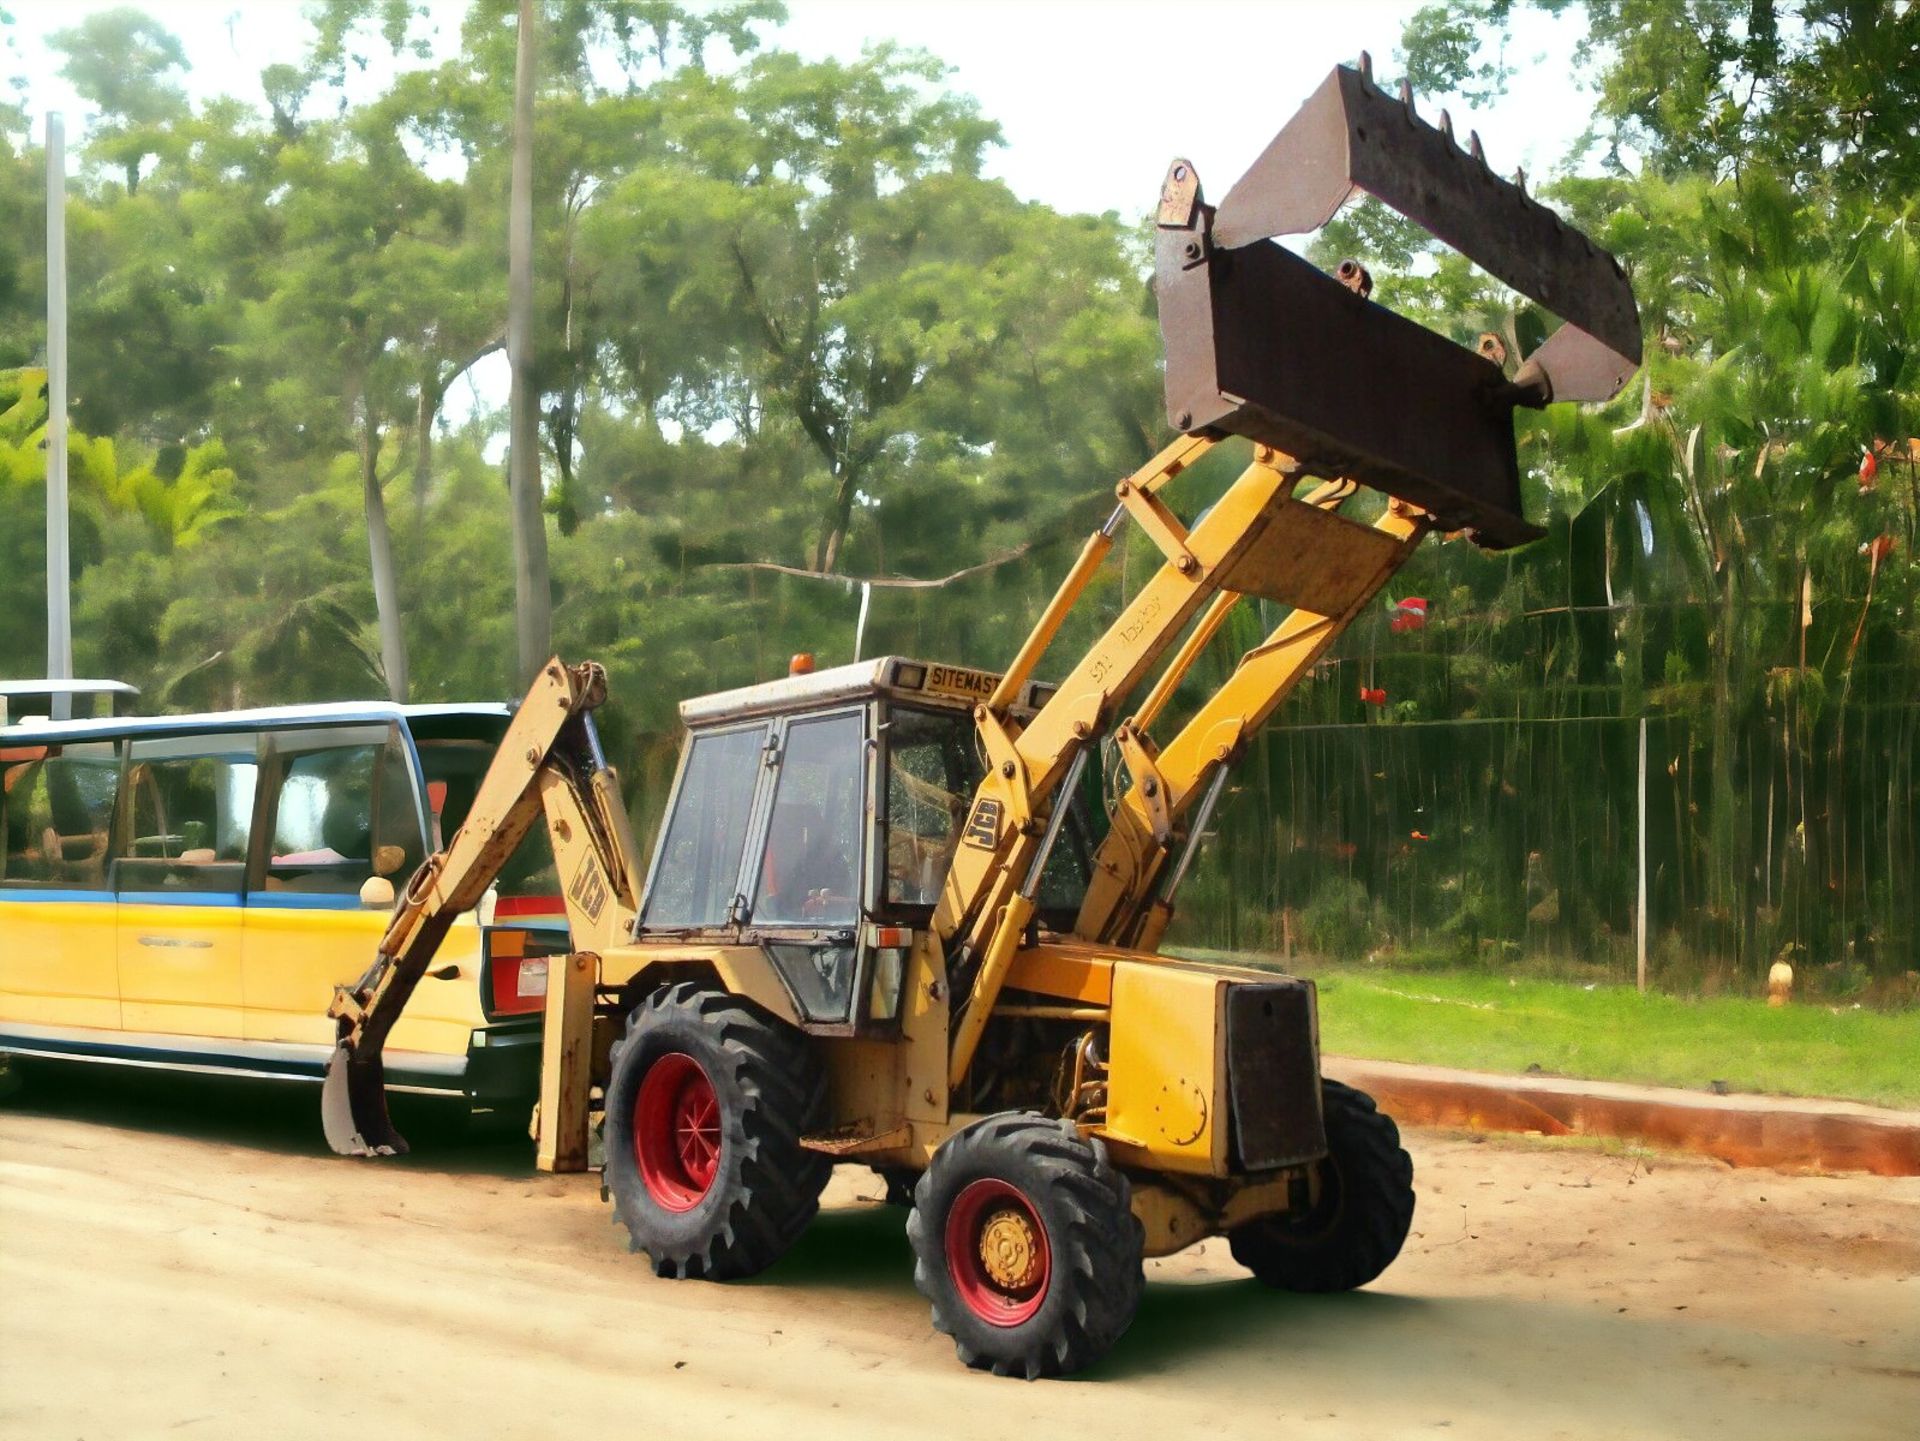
1487, 1022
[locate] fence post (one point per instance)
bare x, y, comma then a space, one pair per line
1640, 909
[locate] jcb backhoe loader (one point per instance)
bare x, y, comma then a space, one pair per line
890, 919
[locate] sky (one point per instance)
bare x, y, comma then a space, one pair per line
1095, 97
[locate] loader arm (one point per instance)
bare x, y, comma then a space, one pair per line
550, 763
1172, 788
1259, 539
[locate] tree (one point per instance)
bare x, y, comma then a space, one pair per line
120, 60
1823, 93
533, 594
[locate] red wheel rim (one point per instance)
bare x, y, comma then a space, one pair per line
997, 1252
676, 1131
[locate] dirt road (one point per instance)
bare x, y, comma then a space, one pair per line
185, 1260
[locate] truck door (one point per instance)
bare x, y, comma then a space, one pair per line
341, 807
180, 883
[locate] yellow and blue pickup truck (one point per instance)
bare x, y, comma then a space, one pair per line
185, 892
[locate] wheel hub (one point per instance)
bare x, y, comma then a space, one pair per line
997, 1252
1009, 1250
677, 1135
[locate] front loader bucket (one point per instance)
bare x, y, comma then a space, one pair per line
1262, 344
353, 1105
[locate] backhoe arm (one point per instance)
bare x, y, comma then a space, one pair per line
549, 761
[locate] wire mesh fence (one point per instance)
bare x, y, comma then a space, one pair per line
1519, 841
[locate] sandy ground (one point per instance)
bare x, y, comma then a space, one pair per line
184, 1259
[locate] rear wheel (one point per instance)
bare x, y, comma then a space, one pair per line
1357, 1226
705, 1109
1025, 1243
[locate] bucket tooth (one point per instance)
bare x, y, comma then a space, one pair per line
1351, 136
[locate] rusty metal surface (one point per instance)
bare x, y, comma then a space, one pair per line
857, 1138
1259, 343
1352, 135
1740, 1130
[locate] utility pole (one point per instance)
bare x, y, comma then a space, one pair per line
59, 614
533, 597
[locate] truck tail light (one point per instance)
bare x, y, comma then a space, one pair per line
516, 970
510, 906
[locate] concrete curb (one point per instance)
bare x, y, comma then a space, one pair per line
1742, 1130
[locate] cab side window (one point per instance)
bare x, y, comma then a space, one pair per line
341, 815
933, 770
57, 810
697, 875
191, 800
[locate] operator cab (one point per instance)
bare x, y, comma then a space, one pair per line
815, 817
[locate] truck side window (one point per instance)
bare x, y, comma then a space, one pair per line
192, 803
342, 815
58, 810
698, 873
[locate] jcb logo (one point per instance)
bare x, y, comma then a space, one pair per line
983, 826
589, 890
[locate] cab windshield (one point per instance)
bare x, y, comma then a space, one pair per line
933, 769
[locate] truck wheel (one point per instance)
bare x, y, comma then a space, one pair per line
1356, 1228
1025, 1242
12, 1082
705, 1109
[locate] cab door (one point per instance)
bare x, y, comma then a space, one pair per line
180, 881
805, 897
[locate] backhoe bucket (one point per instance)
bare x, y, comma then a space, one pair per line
1262, 344
353, 1105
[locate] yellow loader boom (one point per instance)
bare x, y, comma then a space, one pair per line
887, 924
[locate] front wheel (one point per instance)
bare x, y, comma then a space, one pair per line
1365, 1207
705, 1109
1025, 1242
